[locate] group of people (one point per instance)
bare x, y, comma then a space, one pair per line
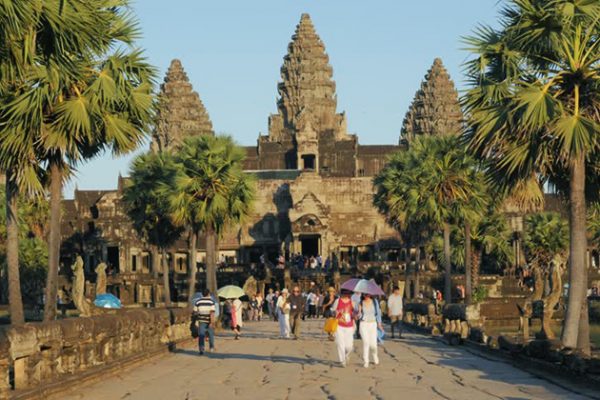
355, 315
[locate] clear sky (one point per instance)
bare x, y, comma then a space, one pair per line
232, 51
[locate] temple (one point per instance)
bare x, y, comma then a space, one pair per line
314, 194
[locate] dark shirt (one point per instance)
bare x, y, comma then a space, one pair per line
296, 303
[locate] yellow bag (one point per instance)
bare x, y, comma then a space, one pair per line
331, 325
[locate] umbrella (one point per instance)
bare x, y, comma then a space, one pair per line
231, 292
363, 286
107, 300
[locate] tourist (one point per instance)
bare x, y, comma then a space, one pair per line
259, 305
328, 301
236, 317
270, 299
356, 297
204, 315
297, 303
283, 314
394, 305
312, 300
343, 309
253, 309
369, 315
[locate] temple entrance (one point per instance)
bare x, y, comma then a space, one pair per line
112, 258
310, 245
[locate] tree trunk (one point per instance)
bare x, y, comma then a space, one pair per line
211, 260
447, 265
475, 267
53, 242
578, 248
166, 285
468, 259
15, 301
154, 252
192, 269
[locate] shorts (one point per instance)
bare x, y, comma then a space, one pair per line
395, 318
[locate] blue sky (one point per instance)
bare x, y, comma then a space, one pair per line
232, 51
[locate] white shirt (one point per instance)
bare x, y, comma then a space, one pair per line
395, 304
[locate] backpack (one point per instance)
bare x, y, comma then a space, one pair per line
377, 309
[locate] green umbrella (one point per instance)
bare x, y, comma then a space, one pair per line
231, 292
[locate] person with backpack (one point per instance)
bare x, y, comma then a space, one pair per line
369, 315
204, 315
343, 309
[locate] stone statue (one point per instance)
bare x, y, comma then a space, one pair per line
83, 305
101, 279
552, 299
250, 286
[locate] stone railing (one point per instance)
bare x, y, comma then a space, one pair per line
422, 315
42, 358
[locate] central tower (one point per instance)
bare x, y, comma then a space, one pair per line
307, 133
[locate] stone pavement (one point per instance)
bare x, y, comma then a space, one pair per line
261, 366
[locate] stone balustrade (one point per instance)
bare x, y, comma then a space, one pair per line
39, 355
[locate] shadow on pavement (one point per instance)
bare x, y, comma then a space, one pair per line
255, 357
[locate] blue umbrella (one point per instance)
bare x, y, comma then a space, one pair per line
107, 300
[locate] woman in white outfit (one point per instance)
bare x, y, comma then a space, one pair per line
369, 315
283, 314
343, 309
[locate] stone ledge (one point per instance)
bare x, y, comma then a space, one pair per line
37, 359
52, 390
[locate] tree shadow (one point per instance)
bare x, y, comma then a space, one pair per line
277, 359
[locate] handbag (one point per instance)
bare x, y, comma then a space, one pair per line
331, 325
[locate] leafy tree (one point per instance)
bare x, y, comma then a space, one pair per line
533, 111
432, 185
85, 91
147, 202
33, 250
546, 236
211, 194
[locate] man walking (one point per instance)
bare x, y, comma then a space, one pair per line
297, 303
394, 305
204, 314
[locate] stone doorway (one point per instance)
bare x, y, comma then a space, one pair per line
310, 245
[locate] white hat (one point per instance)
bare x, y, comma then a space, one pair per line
285, 291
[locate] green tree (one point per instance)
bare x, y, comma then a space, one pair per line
87, 90
211, 194
146, 199
533, 110
17, 54
546, 236
33, 250
435, 184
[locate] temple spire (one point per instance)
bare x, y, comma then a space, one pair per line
435, 109
181, 113
307, 90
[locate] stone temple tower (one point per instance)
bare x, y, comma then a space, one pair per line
307, 133
435, 109
180, 111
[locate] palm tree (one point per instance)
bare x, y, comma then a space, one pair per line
533, 110
433, 184
211, 193
80, 97
146, 199
546, 236
17, 49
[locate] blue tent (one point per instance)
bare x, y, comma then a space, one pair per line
107, 300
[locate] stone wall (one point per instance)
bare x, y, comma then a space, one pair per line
42, 358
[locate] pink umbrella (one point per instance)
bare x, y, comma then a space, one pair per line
363, 286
